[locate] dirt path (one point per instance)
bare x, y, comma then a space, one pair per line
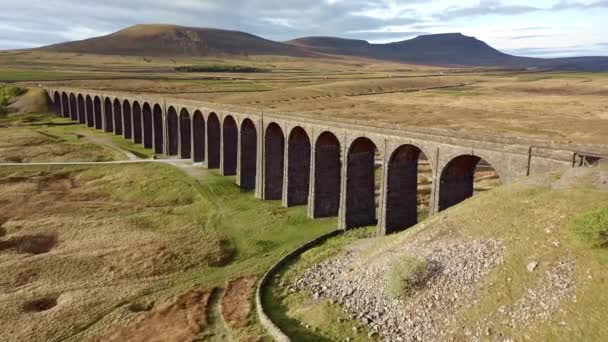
106, 141
216, 328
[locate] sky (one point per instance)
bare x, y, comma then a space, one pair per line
538, 28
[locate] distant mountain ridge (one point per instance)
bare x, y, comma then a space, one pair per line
447, 49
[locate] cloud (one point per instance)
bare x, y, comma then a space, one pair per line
36, 23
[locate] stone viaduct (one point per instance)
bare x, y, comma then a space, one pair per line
328, 166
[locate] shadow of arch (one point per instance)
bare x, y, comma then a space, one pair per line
249, 151
198, 136
361, 184
213, 141
127, 119
73, 108
117, 114
65, 105
298, 167
185, 134
137, 123
157, 119
403, 193
98, 113
81, 112
328, 168
230, 145
458, 179
274, 142
89, 111
172, 132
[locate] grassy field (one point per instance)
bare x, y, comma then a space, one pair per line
151, 232
40, 137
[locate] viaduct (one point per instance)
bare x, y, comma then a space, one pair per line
328, 166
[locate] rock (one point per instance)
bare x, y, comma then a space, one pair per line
532, 266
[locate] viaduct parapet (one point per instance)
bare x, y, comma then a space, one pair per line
329, 166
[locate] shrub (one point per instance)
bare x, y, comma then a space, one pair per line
591, 228
406, 274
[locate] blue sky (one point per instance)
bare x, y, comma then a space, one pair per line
540, 28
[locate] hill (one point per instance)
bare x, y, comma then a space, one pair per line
173, 40
448, 49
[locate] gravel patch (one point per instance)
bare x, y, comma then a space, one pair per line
357, 282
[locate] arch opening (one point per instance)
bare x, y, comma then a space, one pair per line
328, 168
462, 177
361, 183
127, 120
172, 132
65, 105
409, 178
274, 149
213, 141
157, 120
73, 108
108, 115
89, 112
97, 112
249, 152
137, 123
198, 136
81, 112
298, 167
117, 113
230, 145
57, 104
147, 131
185, 134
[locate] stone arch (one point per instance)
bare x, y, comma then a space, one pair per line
147, 126
249, 152
361, 184
108, 115
57, 103
403, 189
185, 134
127, 119
89, 111
229, 145
298, 167
98, 113
73, 107
157, 120
117, 113
198, 136
172, 132
457, 179
65, 105
81, 112
213, 141
137, 123
274, 150
328, 167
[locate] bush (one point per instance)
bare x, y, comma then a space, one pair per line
406, 274
591, 228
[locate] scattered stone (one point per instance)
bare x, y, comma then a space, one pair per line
532, 266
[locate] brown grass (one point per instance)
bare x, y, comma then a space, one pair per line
236, 302
180, 319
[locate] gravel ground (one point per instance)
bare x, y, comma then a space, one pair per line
357, 281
